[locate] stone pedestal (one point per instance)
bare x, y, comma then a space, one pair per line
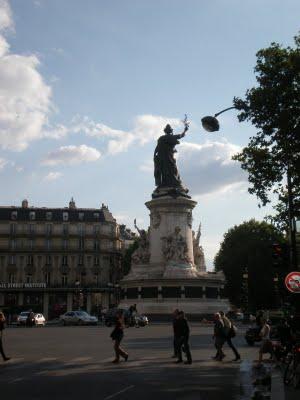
163, 274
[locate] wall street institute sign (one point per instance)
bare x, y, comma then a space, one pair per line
292, 282
22, 285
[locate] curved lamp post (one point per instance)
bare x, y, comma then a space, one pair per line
210, 123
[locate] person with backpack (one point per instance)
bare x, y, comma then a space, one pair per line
230, 332
117, 335
2, 327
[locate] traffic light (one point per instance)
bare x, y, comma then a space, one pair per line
280, 255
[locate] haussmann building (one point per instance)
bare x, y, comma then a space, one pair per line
53, 260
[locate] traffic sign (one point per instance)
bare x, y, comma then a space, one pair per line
292, 282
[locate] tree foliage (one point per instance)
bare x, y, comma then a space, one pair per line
249, 245
126, 261
273, 107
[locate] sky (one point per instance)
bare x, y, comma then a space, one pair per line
86, 88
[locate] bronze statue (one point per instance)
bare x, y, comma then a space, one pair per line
165, 168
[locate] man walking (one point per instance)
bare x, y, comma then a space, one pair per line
2, 323
219, 337
182, 339
175, 323
229, 334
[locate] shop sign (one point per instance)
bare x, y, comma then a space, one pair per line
22, 285
292, 282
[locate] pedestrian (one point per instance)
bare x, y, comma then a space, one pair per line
230, 332
2, 327
266, 344
174, 323
219, 337
117, 336
182, 338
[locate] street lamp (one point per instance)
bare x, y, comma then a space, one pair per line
211, 124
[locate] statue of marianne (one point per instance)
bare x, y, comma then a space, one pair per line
165, 168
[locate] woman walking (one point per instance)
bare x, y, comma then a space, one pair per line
219, 337
117, 336
2, 327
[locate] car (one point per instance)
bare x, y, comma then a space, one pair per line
78, 318
136, 320
39, 319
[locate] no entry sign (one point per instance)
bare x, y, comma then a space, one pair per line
292, 282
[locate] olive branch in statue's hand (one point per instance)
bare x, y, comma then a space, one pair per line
186, 123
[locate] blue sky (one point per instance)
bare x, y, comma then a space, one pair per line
86, 88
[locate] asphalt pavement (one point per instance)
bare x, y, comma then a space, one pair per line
76, 362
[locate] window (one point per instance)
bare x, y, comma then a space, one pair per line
80, 260
48, 244
81, 216
65, 260
96, 245
48, 215
47, 278
12, 259
48, 260
81, 229
48, 229
28, 278
64, 280
11, 278
96, 229
13, 244
30, 260
81, 244
32, 215
96, 215
65, 244
96, 261
14, 215
13, 228
96, 279
31, 244
31, 229
65, 216
65, 229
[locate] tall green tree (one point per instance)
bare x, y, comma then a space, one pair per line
249, 245
273, 107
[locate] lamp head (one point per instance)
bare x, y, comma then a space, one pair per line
210, 124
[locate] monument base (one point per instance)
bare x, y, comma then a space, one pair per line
201, 296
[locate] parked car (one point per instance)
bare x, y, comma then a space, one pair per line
39, 319
78, 318
137, 320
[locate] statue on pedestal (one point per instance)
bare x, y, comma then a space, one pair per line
199, 259
165, 169
141, 255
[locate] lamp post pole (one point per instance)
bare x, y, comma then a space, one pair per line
211, 124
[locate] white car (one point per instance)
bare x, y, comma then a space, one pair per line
39, 319
78, 318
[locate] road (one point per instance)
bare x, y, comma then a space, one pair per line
75, 363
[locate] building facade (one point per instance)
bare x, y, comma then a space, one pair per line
58, 259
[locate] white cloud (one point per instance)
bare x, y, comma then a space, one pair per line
52, 176
207, 168
3, 162
71, 155
25, 99
146, 128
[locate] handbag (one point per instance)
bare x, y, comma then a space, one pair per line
232, 331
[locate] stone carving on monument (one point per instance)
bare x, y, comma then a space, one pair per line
175, 249
199, 259
141, 255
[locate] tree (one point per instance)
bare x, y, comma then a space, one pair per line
249, 245
273, 154
126, 261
